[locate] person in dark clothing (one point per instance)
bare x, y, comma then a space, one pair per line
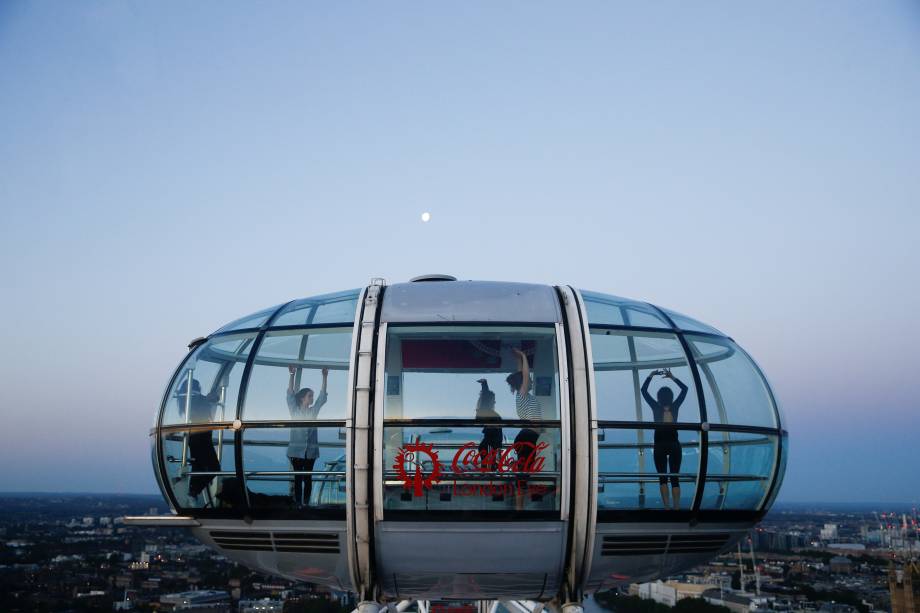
667, 449
202, 456
491, 445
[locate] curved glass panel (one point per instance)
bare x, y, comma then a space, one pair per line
739, 470
200, 468
250, 321
640, 469
604, 309
207, 386
470, 301
478, 468
294, 468
339, 307
784, 457
438, 372
287, 381
735, 392
688, 324
626, 363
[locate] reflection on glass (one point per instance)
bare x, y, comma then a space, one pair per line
644, 469
250, 321
604, 309
735, 391
334, 308
688, 324
299, 357
438, 372
624, 361
739, 470
200, 468
471, 468
206, 388
281, 474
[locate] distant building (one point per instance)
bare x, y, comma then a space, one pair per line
198, 600
841, 564
829, 532
265, 605
905, 588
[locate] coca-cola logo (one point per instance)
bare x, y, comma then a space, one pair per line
413, 456
418, 466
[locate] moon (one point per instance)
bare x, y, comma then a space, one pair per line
426, 216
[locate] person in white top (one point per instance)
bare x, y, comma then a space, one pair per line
303, 450
528, 408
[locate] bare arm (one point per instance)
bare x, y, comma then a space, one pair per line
293, 371
525, 371
648, 397
322, 390
683, 389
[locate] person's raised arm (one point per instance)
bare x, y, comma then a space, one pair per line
322, 390
291, 402
525, 371
648, 397
683, 389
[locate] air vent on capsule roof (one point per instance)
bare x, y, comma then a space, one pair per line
434, 277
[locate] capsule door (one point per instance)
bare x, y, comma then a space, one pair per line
470, 494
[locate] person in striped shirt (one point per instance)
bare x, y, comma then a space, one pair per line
528, 408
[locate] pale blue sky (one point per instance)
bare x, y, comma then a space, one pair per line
166, 167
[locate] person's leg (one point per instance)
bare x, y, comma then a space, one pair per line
675, 457
660, 455
308, 464
297, 464
525, 446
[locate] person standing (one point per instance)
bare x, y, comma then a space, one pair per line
303, 449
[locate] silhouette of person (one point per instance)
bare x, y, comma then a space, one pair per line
491, 445
528, 408
303, 449
667, 449
202, 456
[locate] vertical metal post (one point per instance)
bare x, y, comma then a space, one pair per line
220, 433
188, 412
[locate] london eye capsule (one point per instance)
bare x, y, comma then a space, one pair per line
468, 439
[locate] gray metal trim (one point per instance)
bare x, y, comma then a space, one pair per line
349, 443
591, 528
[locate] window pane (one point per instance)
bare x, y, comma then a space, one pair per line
250, 321
689, 324
633, 463
216, 368
440, 372
192, 459
326, 309
271, 456
604, 309
623, 361
784, 457
739, 470
478, 468
270, 395
735, 391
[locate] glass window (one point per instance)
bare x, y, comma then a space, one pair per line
200, 468
633, 463
474, 468
215, 368
604, 309
689, 324
784, 457
290, 362
625, 361
290, 468
739, 470
735, 391
339, 307
440, 372
250, 321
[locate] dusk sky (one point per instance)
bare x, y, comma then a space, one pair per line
166, 167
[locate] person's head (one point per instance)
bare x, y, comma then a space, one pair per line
665, 396
304, 398
514, 380
196, 387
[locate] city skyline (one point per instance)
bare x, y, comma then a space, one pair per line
164, 173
